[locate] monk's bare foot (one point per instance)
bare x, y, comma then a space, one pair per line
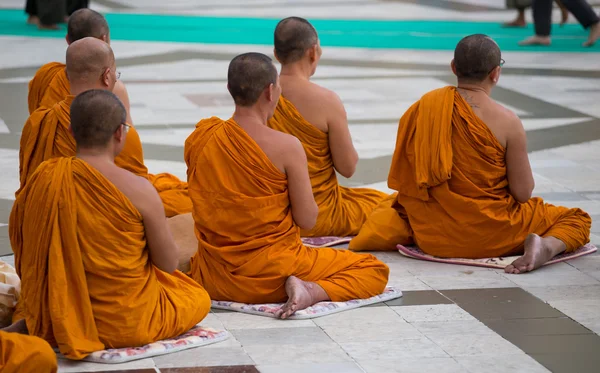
48, 27
518, 22
536, 40
18, 327
301, 294
33, 20
594, 35
538, 251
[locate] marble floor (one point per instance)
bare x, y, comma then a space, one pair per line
451, 318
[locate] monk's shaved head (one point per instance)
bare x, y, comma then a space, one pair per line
248, 76
95, 116
475, 57
87, 60
85, 23
293, 37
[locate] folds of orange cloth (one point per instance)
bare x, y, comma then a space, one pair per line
47, 135
87, 280
25, 354
450, 174
248, 242
342, 211
48, 86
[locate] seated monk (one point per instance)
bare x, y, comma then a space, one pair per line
50, 83
91, 65
463, 176
25, 354
92, 247
316, 117
251, 193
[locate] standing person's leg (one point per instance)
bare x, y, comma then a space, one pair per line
586, 16
73, 5
51, 12
520, 5
542, 19
31, 10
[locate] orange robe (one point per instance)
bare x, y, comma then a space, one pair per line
46, 135
248, 242
342, 211
87, 279
450, 173
25, 354
49, 86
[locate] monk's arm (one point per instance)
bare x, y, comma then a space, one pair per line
304, 207
121, 92
343, 153
162, 246
520, 177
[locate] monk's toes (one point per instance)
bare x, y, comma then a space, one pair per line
509, 268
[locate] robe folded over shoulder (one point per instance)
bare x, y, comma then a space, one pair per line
46, 135
25, 354
87, 279
48, 86
450, 173
248, 242
342, 211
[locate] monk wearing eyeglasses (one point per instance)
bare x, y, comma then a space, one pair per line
464, 180
92, 246
52, 86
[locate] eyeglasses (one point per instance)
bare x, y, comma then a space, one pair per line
118, 74
501, 62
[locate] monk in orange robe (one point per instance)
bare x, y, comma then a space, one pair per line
25, 354
316, 117
251, 193
92, 247
463, 176
91, 65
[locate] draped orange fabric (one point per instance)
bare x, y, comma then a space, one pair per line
450, 174
342, 211
46, 135
87, 280
48, 86
248, 241
25, 354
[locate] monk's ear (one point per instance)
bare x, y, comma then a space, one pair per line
313, 53
453, 67
276, 56
271, 92
67, 39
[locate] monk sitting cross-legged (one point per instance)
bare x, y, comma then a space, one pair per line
52, 85
92, 247
316, 116
25, 354
463, 176
251, 193
91, 65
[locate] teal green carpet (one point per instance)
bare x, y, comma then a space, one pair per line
429, 35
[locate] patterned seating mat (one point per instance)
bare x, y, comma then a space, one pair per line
325, 241
195, 337
317, 310
499, 262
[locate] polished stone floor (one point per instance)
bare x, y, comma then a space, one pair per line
451, 318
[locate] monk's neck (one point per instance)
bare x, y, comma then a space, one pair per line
297, 70
95, 156
474, 88
77, 88
250, 116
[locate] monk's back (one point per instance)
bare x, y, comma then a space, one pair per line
310, 100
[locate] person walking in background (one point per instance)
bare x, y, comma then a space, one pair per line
521, 5
47, 14
542, 18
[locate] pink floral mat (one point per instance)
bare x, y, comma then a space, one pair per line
196, 337
325, 241
500, 262
318, 310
